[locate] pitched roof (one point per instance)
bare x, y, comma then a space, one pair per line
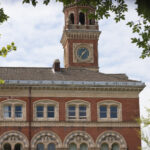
30, 73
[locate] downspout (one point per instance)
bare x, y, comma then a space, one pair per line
30, 116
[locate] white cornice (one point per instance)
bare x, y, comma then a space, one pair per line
91, 83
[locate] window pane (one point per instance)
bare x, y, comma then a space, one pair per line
50, 108
51, 146
50, 111
18, 111
40, 146
40, 108
113, 111
7, 111
104, 147
72, 146
18, 147
40, 111
83, 146
7, 146
72, 108
103, 111
115, 147
71, 112
82, 112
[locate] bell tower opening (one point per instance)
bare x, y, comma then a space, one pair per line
91, 22
71, 18
81, 18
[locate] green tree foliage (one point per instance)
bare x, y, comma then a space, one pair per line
10, 47
145, 135
141, 27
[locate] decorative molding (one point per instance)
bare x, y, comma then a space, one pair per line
79, 34
14, 124
46, 137
111, 137
73, 91
78, 137
86, 124
14, 137
69, 124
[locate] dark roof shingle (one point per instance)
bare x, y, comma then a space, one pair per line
30, 73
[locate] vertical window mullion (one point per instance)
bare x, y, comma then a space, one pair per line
45, 111
108, 111
77, 111
13, 110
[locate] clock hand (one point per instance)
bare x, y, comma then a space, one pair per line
83, 53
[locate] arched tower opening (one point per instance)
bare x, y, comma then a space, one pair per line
81, 18
71, 18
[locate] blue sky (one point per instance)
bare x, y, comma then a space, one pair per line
37, 33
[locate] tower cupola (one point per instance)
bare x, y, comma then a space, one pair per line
80, 37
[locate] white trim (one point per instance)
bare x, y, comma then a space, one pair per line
13, 103
45, 103
57, 82
110, 103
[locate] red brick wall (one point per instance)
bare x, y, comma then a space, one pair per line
130, 111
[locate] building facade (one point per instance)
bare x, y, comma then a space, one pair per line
71, 108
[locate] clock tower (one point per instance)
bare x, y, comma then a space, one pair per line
80, 37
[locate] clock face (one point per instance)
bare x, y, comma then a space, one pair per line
83, 53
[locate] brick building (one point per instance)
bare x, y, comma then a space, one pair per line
71, 108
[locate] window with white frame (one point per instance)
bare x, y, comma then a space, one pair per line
7, 111
39, 111
109, 110
18, 111
78, 110
13, 110
46, 110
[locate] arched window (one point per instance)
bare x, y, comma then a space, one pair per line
71, 18
78, 110
83, 146
46, 110
72, 146
81, 18
18, 147
40, 146
7, 147
13, 109
109, 110
104, 147
51, 146
115, 147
